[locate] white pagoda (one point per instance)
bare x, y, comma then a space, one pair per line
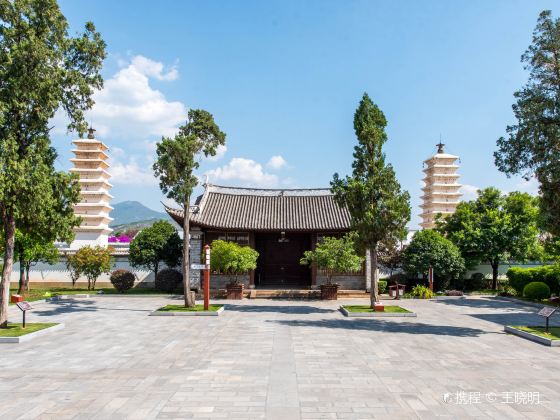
90, 163
441, 187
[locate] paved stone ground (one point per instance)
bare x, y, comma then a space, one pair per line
278, 360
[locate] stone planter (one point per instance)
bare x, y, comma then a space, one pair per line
329, 291
234, 291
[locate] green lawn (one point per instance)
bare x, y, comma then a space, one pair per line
553, 335
15, 329
366, 308
182, 308
40, 293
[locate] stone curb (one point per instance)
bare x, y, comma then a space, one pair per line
184, 313
31, 336
532, 337
349, 314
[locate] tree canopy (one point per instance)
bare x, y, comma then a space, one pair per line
428, 248
379, 209
334, 255
494, 228
90, 261
232, 258
29, 250
43, 70
177, 159
532, 145
159, 243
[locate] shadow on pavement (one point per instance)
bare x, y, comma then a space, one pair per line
518, 319
291, 309
386, 326
485, 303
56, 308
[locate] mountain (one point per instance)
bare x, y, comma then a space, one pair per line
132, 212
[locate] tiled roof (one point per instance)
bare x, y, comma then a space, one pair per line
232, 208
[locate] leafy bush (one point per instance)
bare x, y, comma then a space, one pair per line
382, 286
122, 280
231, 258
334, 255
422, 292
508, 291
536, 290
476, 282
91, 262
167, 280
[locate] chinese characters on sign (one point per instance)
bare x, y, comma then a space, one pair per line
475, 397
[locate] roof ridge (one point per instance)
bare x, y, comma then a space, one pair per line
229, 187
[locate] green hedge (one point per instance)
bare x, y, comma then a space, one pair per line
382, 286
520, 277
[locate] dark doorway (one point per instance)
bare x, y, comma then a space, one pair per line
278, 264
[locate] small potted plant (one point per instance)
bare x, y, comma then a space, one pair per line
233, 259
333, 255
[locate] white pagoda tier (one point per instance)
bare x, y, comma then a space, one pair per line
441, 187
90, 163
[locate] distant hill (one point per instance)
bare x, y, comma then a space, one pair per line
133, 212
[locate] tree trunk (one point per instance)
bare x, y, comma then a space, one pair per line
10, 234
495, 267
374, 295
21, 288
189, 302
27, 268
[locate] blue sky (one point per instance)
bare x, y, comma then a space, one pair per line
283, 79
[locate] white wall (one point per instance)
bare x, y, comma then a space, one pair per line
58, 273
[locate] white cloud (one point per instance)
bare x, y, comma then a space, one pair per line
153, 68
470, 192
276, 162
131, 173
245, 172
128, 107
220, 152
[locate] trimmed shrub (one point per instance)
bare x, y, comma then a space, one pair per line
476, 282
167, 280
536, 290
422, 292
122, 280
382, 286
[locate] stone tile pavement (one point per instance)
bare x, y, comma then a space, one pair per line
279, 360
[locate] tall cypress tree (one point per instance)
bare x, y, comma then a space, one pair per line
379, 209
532, 147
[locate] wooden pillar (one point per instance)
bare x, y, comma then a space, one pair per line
252, 272
313, 266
